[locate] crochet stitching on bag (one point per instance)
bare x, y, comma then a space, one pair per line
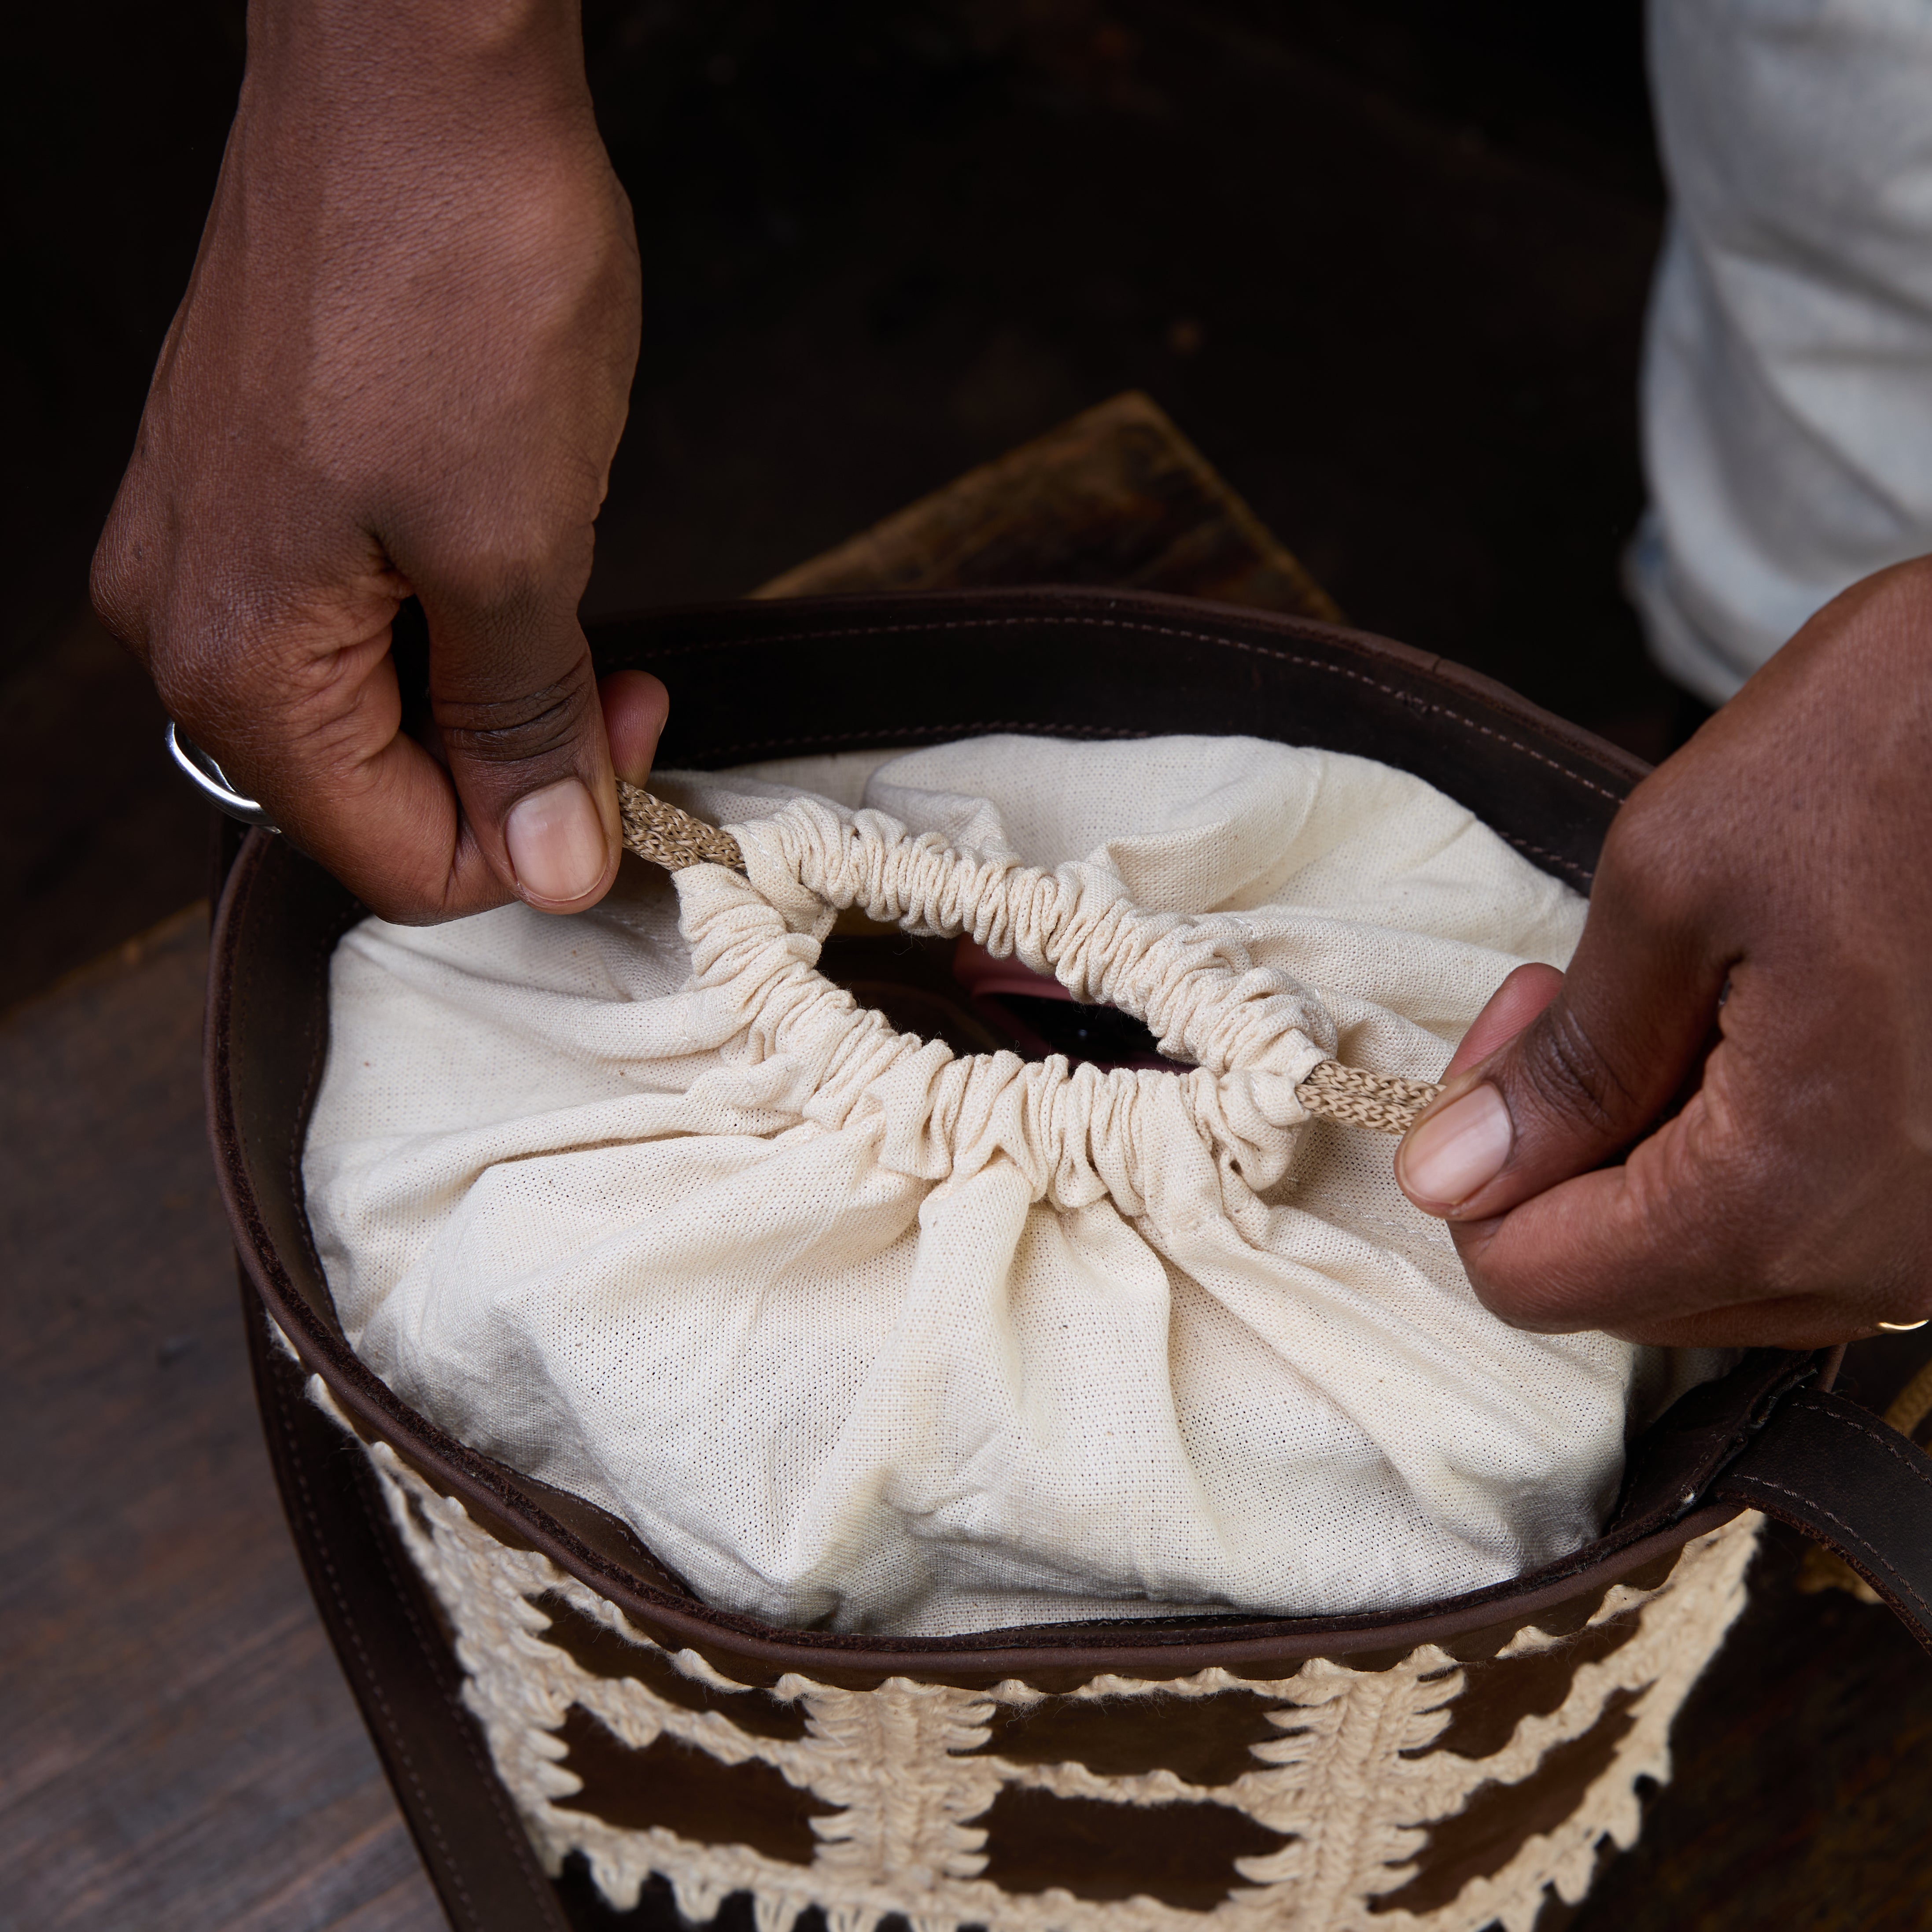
1328, 1799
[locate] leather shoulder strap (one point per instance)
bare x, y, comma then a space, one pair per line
385, 1631
1835, 1471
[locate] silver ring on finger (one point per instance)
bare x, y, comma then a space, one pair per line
211, 781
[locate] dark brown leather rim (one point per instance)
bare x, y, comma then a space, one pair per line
1430, 715
384, 1624
1675, 1504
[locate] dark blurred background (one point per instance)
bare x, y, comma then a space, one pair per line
1385, 261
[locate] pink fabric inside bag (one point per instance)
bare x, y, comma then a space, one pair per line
1010, 995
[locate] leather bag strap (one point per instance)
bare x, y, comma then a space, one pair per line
1846, 1479
379, 1616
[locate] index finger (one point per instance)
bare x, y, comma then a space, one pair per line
1676, 1245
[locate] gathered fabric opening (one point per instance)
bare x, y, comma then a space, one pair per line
862, 1331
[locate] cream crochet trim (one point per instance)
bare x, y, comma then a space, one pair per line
1352, 1777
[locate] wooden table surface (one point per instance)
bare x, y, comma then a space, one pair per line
180, 1754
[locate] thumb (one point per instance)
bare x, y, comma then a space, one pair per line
1607, 1050
514, 697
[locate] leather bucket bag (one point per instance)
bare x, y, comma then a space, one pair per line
548, 1698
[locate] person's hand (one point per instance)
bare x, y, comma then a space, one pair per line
1756, 973
401, 366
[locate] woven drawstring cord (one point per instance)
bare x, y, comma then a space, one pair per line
657, 830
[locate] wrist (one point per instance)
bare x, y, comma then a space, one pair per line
383, 61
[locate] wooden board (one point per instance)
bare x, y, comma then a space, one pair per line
1116, 497
181, 1753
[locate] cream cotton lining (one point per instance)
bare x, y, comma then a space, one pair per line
857, 1332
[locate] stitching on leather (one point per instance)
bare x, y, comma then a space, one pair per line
1879, 1560
1586, 873
397, 1736
902, 734
1910, 1464
1185, 636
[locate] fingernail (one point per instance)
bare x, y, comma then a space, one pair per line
556, 843
1457, 1150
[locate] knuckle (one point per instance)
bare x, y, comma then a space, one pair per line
507, 564
1526, 1286
118, 584
1519, 1299
202, 682
1562, 1074
529, 727
1647, 874
497, 574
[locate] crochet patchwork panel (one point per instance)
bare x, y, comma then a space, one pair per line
1423, 1793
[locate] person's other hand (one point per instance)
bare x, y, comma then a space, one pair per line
1756, 973
401, 366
